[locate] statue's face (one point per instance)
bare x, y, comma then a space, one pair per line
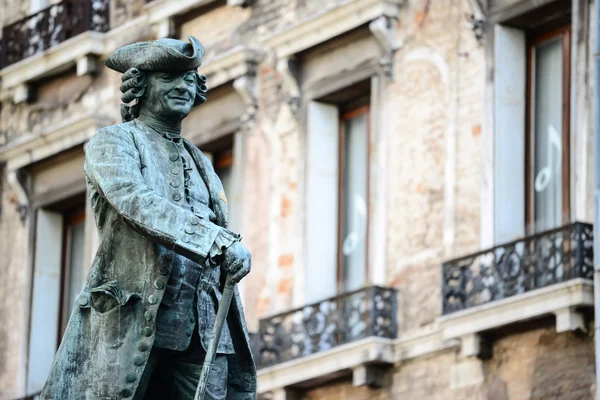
170, 94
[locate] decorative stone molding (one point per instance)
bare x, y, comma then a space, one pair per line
568, 319
330, 24
287, 69
477, 20
368, 375
88, 64
54, 140
328, 363
239, 66
246, 88
365, 358
80, 51
561, 299
161, 12
228, 66
22, 199
23, 93
384, 29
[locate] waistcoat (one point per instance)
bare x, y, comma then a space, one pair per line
192, 293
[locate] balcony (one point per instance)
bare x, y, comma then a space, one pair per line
543, 274
348, 334
51, 26
327, 324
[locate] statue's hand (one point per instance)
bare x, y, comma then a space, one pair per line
236, 261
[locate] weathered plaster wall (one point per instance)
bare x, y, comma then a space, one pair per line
13, 301
434, 153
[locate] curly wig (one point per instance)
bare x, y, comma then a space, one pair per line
133, 87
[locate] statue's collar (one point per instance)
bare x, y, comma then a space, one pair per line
168, 132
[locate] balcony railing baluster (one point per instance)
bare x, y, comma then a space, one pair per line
517, 267
329, 323
51, 26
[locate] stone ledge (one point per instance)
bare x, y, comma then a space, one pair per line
330, 24
68, 134
230, 65
561, 299
350, 359
68, 53
159, 10
330, 363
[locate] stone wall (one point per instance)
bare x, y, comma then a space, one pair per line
533, 364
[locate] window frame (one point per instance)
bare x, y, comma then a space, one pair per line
345, 114
532, 40
74, 216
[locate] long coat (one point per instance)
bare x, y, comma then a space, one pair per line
104, 352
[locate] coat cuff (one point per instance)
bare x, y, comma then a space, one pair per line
224, 239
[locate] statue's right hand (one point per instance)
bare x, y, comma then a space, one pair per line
237, 261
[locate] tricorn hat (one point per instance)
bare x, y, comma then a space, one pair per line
158, 55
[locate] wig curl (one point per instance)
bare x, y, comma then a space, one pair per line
133, 87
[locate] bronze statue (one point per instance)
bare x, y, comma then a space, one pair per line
142, 324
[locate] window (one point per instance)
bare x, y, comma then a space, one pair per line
220, 152
547, 131
337, 193
353, 199
223, 163
72, 263
58, 277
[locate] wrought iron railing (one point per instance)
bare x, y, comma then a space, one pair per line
329, 323
51, 26
530, 263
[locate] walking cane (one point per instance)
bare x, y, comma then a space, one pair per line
214, 337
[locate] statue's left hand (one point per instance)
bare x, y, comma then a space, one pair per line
237, 261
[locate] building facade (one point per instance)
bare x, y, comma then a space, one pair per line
413, 179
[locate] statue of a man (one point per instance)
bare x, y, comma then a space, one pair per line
142, 323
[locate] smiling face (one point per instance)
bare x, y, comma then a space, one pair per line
170, 95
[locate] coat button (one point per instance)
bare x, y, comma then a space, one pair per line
152, 299
173, 156
160, 285
175, 184
126, 393
138, 361
169, 257
176, 196
163, 271
143, 346
131, 377
189, 230
194, 220
188, 333
148, 316
147, 331
83, 301
175, 170
192, 320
